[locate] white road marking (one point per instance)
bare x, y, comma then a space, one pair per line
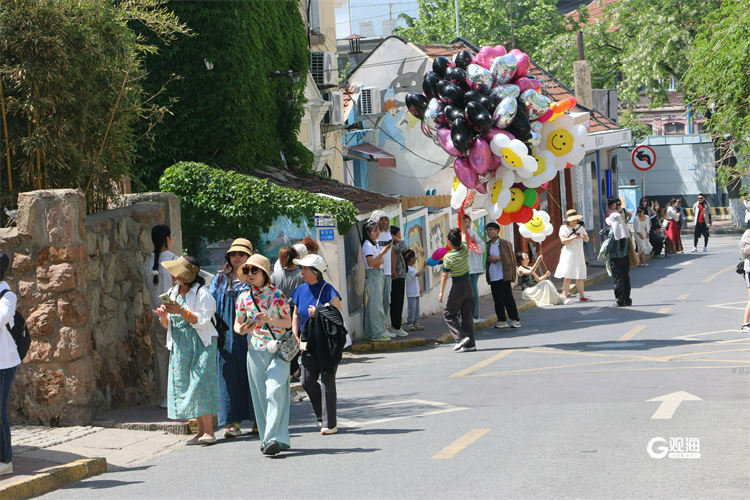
443, 408
730, 305
695, 336
670, 402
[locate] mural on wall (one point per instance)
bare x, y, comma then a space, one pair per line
283, 233
438, 231
354, 269
479, 228
413, 233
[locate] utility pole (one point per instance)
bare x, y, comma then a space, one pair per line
349, 5
390, 11
458, 30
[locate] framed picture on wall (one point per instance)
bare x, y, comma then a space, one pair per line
414, 236
437, 234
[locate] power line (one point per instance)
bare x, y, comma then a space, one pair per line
377, 17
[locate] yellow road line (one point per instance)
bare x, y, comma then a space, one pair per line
691, 354
710, 278
664, 310
593, 354
482, 364
460, 443
683, 296
543, 368
632, 333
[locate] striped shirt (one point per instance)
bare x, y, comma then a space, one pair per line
456, 262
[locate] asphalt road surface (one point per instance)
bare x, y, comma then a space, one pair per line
586, 400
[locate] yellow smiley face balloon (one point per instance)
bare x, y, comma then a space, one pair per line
560, 142
516, 200
536, 224
511, 158
538, 228
564, 140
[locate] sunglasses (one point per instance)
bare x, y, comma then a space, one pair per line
250, 270
236, 254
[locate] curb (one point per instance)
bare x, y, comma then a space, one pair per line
54, 478
393, 345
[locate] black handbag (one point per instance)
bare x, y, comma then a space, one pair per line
741, 267
221, 328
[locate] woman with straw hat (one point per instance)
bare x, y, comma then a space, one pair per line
572, 264
192, 341
235, 404
263, 313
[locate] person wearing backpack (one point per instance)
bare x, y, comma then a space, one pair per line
9, 361
306, 298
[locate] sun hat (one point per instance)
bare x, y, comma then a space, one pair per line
241, 245
257, 260
313, 260
182, 269
301, 249
376, 216
571, 215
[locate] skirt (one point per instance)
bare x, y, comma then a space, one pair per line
543, 293
673, 240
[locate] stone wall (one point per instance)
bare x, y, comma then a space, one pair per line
80, 286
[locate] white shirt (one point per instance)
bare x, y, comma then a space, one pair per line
203, 306
371, 250
412, 284
8, 353
476, 265
673, 214
165, 279
496, 268
383, 240
614, 220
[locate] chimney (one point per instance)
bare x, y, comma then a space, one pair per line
582, 78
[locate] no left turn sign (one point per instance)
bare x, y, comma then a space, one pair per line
643, 157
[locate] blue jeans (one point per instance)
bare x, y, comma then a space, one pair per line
475, 288
6, 378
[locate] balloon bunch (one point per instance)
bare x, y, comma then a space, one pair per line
508, 139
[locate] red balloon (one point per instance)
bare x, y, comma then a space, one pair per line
536, 205
505, 219
523, 215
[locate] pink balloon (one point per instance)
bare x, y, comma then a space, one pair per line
465, 173
546, 116
525, 83
495, 161
487, 136
486, 55
439, 253
523, 63
479, 155
481, 188
444, 138
544, 186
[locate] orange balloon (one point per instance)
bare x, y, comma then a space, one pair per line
505, 219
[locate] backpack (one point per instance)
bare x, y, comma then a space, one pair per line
19, 332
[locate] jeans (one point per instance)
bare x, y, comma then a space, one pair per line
374, 312
475, 288
6, 378
413, 316
387, 285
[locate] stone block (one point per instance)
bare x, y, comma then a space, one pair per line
41, 320
26, 288
79, 380
42, 258
56, 277
73, 414
64, 220
110, 303
8, 237
73, 308
94, 268
22, 263
72, 343
67, 253
39, 351
91, 244
48, 387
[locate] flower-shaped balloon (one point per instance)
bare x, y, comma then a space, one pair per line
514, 155
498, 189
545, 170
565, 140
458, 193
538, 228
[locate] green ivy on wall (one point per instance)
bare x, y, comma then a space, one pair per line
219, 204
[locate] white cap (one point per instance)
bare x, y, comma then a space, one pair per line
301, 249
312, 260
377, 215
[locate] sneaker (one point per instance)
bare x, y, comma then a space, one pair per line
6, 468
382, 338
745, 328
478, 320
232, 432
705, 249
585, 299
402, 333
418, 326
272, 448
501, 324
461, 343
320, 424
695, 249
468, 349
326, 431
208, 440
193, 441
390, 334
409, 327
515, 324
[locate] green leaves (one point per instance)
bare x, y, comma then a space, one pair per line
221, 204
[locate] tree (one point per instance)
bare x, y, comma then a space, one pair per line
717, 83
229, 111
521, 24
70, 92
638, 129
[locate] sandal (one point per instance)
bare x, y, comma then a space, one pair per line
584, 299
232, 432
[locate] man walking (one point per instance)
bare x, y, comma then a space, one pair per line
501, 273
618, 255
702, 214
460, 297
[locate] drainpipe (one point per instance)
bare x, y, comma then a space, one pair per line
689, 127
599, 187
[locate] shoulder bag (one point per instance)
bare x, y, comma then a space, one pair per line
285, 346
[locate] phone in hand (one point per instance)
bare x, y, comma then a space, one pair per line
166, 299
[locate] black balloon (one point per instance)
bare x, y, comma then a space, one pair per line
478, 116
451, 93
440, 64
458, 76
416, 103
429, 84
461, 134
452, 112
464, 58
485, 102
471, 95
520, 126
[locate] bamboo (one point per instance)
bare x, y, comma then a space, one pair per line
38, 155
7, 141
106, 132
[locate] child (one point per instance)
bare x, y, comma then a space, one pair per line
413, 290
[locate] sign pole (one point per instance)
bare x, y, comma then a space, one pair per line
643, 183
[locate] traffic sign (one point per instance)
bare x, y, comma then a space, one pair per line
643, 157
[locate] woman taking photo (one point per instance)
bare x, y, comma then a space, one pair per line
641, 228
263, 312
535, 287
191, 340
9, 361
572, 264
313, 292
234, 389
375, 326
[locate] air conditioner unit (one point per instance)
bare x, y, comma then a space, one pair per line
337, 108
369, 101
317, 66
330, 73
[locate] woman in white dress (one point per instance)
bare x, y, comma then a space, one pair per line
535, 287
572, 265
641, 227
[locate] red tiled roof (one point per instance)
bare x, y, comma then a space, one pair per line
596, 9
448, 50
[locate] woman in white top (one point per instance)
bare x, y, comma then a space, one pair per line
535, 287
641, 228
745, 255
9, 361
572, 264
375, 327
158, 281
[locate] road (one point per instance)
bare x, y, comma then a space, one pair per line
567, 406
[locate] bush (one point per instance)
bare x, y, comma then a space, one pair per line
222, 205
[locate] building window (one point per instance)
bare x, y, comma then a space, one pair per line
674, 128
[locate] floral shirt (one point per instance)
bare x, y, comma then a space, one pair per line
270, 300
